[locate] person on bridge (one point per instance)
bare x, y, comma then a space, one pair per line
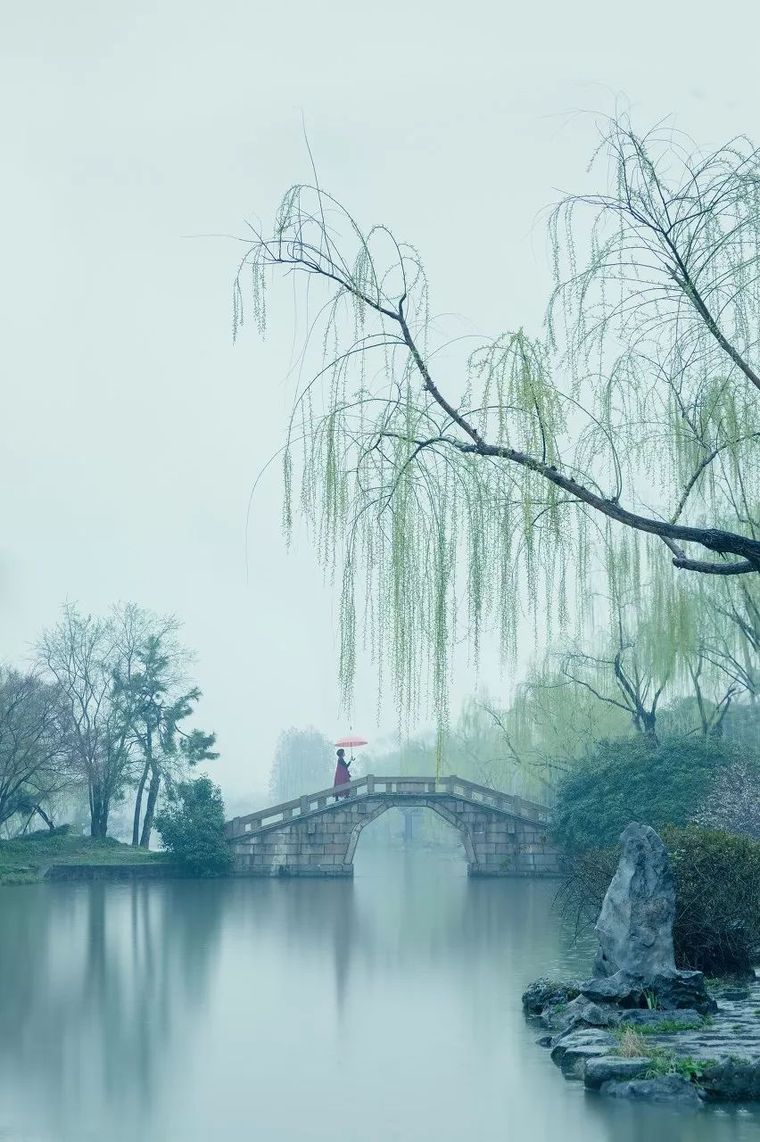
342, 774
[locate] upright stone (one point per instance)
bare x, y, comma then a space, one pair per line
635, 925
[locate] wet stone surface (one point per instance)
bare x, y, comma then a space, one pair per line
666, 1088
714, 1058
613, 1068
732, 1032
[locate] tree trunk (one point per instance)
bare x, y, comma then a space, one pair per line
98, 814
94, 813
150, 808
716, 730
99, 824
138, 805
649, 727
48, 820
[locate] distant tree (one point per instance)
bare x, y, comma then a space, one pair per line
123, 695
82, 655
743, 725
668, 644
731, 641
623, 680
302, 764
34, 761
191, 825
484, 744
156, 700
553, 723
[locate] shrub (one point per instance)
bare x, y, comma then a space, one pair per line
629, 780
45, 834
191, 826
717, 922
632, 1044
717, 925
733, 801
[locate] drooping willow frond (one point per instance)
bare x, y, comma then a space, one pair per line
453, 493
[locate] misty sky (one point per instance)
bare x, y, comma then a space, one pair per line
131, 429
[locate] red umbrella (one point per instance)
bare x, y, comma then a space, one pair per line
350, 743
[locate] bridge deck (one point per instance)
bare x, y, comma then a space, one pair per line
395, 789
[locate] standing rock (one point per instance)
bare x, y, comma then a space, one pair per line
635, 925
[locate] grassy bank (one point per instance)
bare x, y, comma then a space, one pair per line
24, 860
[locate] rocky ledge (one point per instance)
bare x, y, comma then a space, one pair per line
676, 1054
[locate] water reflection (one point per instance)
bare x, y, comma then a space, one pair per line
387, 1008
98, 983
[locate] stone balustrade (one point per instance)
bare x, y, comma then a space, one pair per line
317, 834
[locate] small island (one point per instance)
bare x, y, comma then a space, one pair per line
640, 1028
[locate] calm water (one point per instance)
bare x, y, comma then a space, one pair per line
387, 1008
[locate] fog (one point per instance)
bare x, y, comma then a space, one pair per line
134, 138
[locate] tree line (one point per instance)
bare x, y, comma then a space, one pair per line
103, 711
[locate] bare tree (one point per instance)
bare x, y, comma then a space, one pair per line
82, 655
712, 713
34, 763
622, 681
732, 644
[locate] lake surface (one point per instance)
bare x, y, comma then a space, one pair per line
383, 1009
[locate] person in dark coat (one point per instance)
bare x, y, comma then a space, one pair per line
342, 774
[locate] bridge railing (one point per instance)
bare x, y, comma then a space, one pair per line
371, 785
494, 798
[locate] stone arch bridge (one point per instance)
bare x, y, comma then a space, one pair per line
317, 835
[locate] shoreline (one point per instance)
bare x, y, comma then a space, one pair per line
674, 1056
67, 856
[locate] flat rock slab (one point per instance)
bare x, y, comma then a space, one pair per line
613, 1068
641, 1018
668, 1088
572, 1051
574, 1040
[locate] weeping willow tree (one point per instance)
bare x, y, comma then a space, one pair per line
631, 670
446, 489
678, 661
732, 643
484, 743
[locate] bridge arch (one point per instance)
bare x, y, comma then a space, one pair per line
317, 835
451, 818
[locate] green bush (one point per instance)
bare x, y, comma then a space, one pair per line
191, 826
44, 835
717, 874
717, 926
628, 780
